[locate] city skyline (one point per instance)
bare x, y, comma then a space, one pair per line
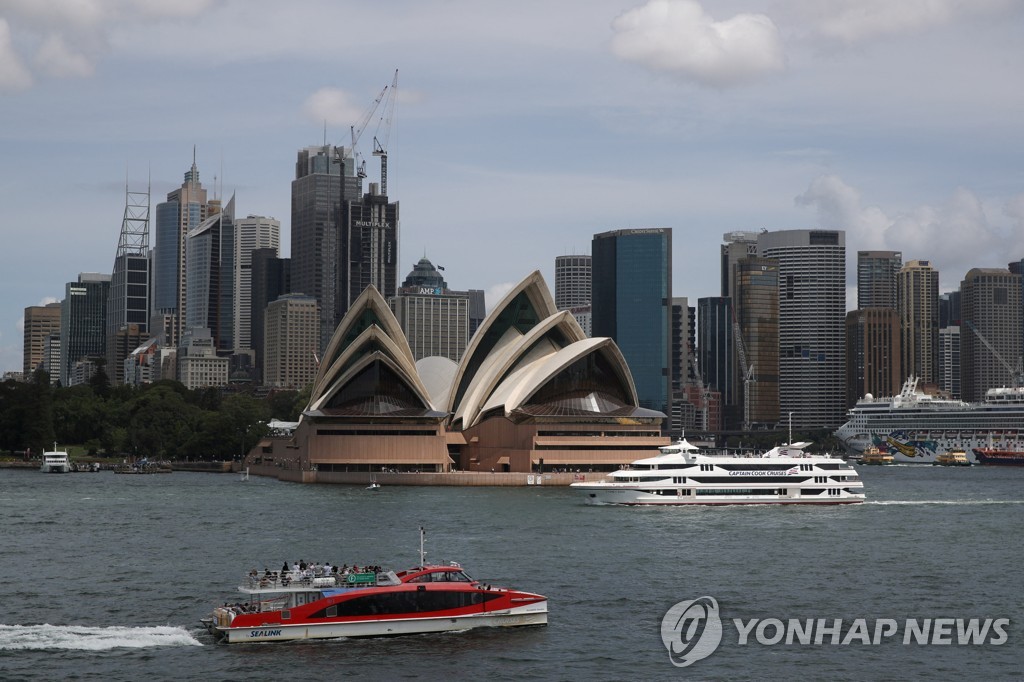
895, 125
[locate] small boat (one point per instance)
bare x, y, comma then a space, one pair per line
245, 474
369, 602
373, 484
952, 458
873, 455
55, 462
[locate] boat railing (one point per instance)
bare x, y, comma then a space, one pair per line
278, 580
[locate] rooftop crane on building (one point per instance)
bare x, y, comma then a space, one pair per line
357, 132
380, 143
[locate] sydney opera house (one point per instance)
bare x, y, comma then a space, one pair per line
531, 393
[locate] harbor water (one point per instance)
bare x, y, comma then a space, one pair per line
105, 577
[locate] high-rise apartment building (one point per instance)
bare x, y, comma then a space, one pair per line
40, 322
210, 254
572, 281
251, 232
435, 319
632, 296
325, 178
876, 278
756, 308
291, 341
83, 323
990, 336
949, 361
918, 293
185, 208
812, 311
369, 248
128, 308
873, 363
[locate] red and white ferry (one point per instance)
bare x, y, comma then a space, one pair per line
428, 598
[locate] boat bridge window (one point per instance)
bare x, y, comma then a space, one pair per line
442, 577
408, 601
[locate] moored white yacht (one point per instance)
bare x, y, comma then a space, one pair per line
683, 475
55, 462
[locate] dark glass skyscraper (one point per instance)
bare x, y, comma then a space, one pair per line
83, 319
632, 297
325, 178
369, 249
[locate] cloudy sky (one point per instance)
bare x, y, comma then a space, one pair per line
521, 128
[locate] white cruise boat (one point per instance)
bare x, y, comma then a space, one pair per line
683, 475
915, 427
55, 462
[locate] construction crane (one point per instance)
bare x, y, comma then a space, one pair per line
380, 143
748, 371
357, 132
1015, 373
704, 393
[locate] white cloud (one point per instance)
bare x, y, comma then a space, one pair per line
69, 36
13, 74
680, 38
856, 21
955, 236
335, 106
56, 58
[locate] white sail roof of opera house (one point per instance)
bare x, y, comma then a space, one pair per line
527, 359
368, 368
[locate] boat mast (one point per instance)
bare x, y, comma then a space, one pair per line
423, 554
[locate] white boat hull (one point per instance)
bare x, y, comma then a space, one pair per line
607, 495
533, 614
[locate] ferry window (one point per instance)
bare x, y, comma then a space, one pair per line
332, 611
286, 615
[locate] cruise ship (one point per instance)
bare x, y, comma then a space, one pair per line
916, 427
681, 475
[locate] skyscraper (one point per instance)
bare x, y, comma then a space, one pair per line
876, 278
291, 339
251, 233
572, 281
756, 307
128, 312
918, 293
812, 311
325, 178
185, 208
40, 322
369, 248
210, 252
435, 319
631, 289
83, 322
873, 363
271, 277
716, 354
990, 336
737, 245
